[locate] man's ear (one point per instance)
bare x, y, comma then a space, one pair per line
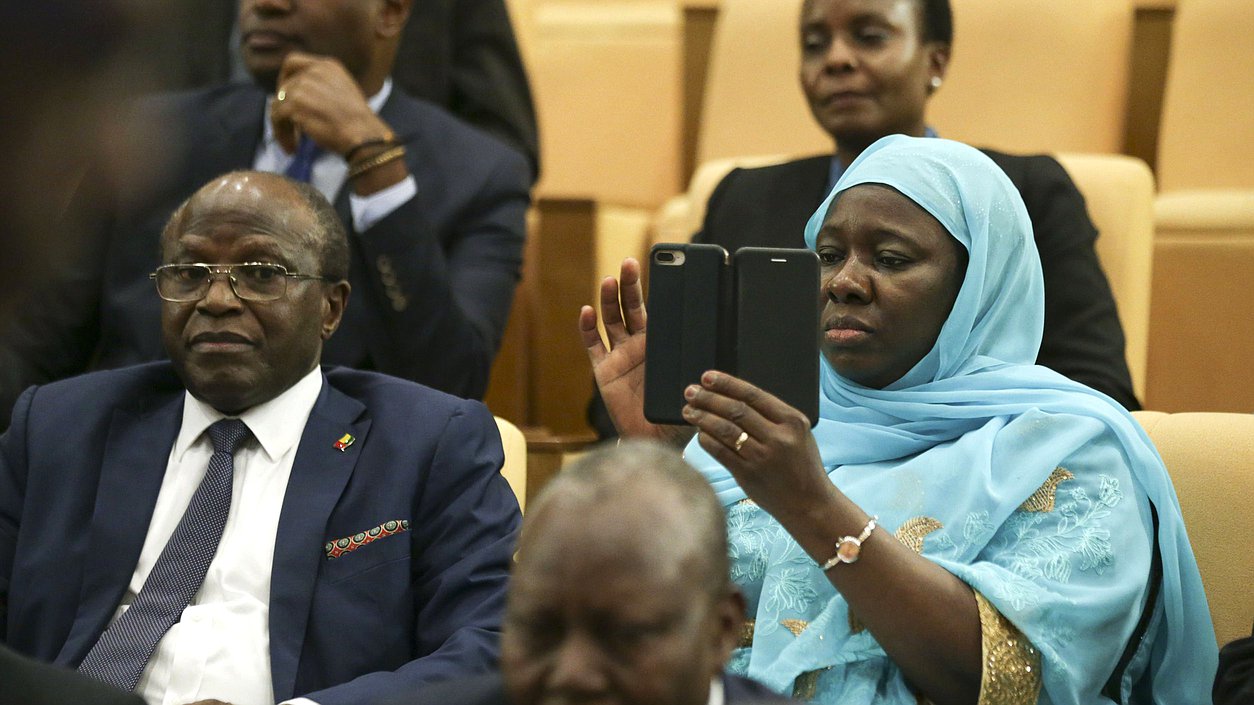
333, 304
393, 14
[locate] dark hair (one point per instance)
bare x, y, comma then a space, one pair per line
938, 21
329, 229
603, 475
328, 238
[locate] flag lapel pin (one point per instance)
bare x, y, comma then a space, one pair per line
345, 441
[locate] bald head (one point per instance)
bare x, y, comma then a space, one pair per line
637, 486
621, 594
295, 208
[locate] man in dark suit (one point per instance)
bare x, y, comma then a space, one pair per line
458, 54
435, 209
620, 593
350, 536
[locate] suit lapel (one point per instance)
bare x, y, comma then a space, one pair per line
135, 458
319, 474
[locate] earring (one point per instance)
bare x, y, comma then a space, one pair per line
936, 82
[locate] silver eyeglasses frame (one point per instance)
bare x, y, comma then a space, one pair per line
216, 270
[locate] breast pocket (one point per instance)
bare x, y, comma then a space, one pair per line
348, 556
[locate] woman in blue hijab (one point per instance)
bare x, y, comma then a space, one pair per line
961, 525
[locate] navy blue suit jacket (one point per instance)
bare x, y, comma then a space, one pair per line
83, 461
432, 282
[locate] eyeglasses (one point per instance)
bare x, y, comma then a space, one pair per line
251, 281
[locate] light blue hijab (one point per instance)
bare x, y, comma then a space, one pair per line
964, 439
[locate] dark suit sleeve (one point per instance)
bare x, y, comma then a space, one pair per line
1083, 339
490, 87
466, 520
12, 492
443, 303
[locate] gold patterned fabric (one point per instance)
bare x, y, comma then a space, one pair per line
1042, 500
1011, 665
912, 532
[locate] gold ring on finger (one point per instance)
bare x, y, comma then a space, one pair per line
740, 441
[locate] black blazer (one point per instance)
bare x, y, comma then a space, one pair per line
1234, 683
1083, 340
490, 690
432, 282
459, 54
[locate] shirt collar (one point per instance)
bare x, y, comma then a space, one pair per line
716, 691
271, 423
375, 102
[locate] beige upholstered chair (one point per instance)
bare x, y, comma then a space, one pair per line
606, 77
515, 468
1206, 137
753, 100
1210, 457
1201, 338
1037, 75
1026, 76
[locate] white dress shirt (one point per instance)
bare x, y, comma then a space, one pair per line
330, 171
220, 649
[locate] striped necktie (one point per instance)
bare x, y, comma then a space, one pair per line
122, 652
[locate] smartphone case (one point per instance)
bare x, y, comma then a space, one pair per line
777, 311
687, 325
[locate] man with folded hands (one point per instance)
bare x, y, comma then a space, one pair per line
238, 524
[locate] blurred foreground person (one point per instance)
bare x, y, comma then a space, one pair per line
620, 593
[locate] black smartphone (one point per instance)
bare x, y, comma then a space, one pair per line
776, 304
687, 328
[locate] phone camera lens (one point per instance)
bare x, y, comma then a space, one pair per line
666, 256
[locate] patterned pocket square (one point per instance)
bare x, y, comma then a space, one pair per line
338, 547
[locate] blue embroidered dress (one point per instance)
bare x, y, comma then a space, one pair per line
1033, 489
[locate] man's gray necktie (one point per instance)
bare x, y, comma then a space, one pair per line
121, 653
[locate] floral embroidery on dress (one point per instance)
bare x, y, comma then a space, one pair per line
1050, 546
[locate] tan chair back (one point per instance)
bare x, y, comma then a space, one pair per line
1119, 193
515, 469
1201, 340
606, 77
753, 99
1206, 138
1210, 457
1037, 75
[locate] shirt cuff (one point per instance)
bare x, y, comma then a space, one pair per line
298, 701
368, 210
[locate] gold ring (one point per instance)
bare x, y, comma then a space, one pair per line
740, 442
282, 94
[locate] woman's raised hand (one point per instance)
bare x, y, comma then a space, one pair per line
765, 444
619, 370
